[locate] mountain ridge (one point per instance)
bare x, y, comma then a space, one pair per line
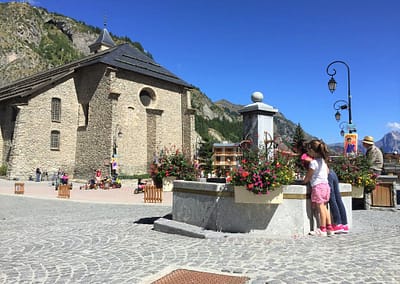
389, 143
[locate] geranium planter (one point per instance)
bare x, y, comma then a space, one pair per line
212, 206
168, 183
357, 191
242, 195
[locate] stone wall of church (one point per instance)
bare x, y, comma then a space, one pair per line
117, 121
6, 132
2, 147
31, 145
94, 143
145, 129
188, 125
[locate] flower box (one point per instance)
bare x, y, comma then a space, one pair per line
357, 191
356, 171
168, 183
242, 195
171, 164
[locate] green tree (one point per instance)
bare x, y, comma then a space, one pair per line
298, 138
205, 155
231, 131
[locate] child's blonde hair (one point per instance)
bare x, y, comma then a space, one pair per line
319, 147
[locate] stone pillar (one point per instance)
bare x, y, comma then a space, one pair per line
188, 121
258, 121
153, 116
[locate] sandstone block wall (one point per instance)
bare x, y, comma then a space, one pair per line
101, 113
31, 145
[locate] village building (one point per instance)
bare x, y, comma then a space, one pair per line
115, 105
226, 156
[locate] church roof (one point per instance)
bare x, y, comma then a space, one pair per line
125, 57
130, 58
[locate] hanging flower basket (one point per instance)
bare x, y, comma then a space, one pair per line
242, 195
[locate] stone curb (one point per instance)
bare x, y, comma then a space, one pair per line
174, 227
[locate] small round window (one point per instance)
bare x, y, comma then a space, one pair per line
146, 97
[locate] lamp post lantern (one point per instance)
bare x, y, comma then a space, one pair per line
117, 134
337, 106
342, 126
332, 87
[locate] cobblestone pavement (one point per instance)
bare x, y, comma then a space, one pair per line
64, 241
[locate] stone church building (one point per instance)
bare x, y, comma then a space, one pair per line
115, 103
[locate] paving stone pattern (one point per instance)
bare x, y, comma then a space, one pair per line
63, 241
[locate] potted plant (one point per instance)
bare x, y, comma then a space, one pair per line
171, 162
260, 175
356, 171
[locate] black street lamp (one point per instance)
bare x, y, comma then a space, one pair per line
332, 87
338, 107
117, 134
341, 126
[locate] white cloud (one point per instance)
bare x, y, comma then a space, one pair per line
393, 125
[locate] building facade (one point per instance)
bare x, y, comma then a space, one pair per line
226, 156
116, 104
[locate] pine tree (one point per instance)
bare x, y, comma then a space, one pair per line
298, 137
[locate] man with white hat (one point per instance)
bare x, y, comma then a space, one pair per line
374, 154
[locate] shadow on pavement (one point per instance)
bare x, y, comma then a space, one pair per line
151, 220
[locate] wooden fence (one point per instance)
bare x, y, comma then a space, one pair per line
152, 194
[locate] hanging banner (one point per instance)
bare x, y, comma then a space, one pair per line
350, 144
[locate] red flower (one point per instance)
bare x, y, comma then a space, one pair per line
245, 174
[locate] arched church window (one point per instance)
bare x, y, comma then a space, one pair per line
56, 109
55, 140
147, 96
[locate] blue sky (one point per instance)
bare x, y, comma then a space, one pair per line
232, 48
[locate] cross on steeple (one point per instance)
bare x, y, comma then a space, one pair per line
104, 41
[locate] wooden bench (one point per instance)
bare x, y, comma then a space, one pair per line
64, 191
19, 188
152, 194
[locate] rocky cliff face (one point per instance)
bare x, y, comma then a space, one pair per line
390, 142
28, 34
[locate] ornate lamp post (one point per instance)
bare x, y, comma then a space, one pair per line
117, 134
332, 87
114, 163
338, 107
341, 126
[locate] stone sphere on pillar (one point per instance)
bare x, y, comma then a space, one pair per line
257, 97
